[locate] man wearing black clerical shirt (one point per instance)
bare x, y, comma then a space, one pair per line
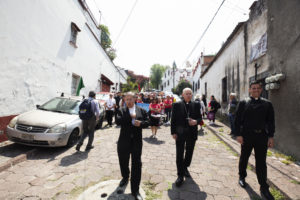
254, 128
185, 118
132, 119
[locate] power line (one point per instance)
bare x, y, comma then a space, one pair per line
204, 32
125, 23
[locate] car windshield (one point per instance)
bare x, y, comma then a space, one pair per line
62, 105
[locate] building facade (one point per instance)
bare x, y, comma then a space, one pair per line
264, 48
46, 47
171, 78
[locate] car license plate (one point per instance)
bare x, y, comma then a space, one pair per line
27, 137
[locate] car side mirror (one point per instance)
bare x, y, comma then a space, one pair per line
37, 106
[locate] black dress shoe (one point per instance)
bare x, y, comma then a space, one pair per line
179, 181
137, 196
123, 182
89, 148
266, 194
242, 183
77, 147
187, 173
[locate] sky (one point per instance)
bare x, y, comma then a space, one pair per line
164, 31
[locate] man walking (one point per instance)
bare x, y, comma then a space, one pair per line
132, 119
89, 113
254, 128
185, 118
110, 105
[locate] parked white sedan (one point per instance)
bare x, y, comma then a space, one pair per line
55, 123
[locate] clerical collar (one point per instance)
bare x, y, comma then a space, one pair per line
187, 102
255, 98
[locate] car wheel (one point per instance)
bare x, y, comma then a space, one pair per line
73, 138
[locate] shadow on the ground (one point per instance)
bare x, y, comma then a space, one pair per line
119, 193
73, 158
252, 194
14, 149
153, 141
188, 190
106, 127
201, 132
215, 125
49, 153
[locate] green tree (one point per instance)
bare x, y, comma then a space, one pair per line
131, 85
111, 53
181, 85
156, 74
105, 37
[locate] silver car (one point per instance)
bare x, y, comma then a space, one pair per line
55, 123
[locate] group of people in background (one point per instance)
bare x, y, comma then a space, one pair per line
160, 106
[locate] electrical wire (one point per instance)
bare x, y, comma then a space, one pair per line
204, 32
124, 25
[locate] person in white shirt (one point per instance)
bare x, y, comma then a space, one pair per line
110, 105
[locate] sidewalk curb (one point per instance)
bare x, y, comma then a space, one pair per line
253, 166
16, 160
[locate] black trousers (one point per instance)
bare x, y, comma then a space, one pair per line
115, 113
88, 130
168, 113
184, 161
258, 142
109, 116
132, 146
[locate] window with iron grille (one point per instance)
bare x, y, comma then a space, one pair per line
75, 82
74, 32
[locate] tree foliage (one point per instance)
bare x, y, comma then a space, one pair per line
105, 37
111, 53
131, 85
156, 74
181, 85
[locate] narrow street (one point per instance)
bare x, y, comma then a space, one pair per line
62, 173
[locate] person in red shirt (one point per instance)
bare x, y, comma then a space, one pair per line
162, 105
139, 100
168, 107
155, 110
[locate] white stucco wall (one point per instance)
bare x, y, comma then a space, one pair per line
232, 55
36, 59
196, 77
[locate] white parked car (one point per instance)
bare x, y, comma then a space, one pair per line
55, 123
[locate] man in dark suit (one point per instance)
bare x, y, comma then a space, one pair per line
185, 118
132, 119
255, 128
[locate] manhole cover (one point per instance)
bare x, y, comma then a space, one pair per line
109, 190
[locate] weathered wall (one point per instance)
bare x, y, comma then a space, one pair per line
256, 27
284, 56
230, 63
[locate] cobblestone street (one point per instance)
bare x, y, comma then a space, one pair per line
64, 173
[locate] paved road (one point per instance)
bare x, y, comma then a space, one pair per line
63, 173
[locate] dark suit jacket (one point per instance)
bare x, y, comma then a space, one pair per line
129, 131
179, 123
